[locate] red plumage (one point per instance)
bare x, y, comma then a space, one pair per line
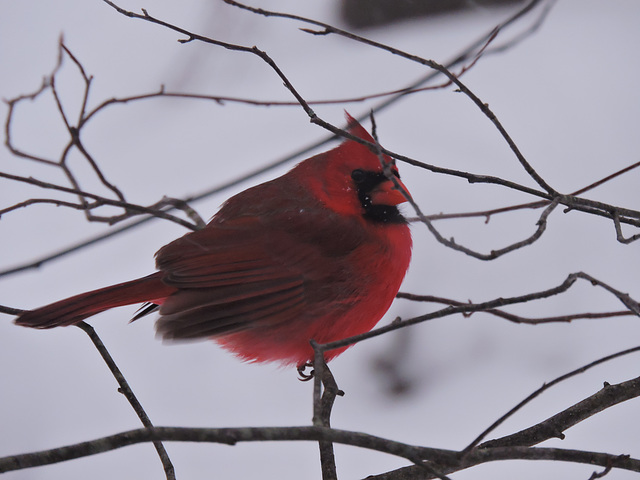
318, 253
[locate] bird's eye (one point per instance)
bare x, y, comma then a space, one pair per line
358, 175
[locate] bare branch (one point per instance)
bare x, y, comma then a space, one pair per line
131, 209
126, 390
467, 53
484, 107
516, 318
629, 302
51, 201
572, 202
619, 235
554, 426
229, 46
324, 383
232, 436
74, 133
609, 396
532, 205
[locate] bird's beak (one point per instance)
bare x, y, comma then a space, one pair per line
387, 193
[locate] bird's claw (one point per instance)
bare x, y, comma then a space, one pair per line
303, 376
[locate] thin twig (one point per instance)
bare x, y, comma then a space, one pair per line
328, 29
530, 205
554, 426
516, 318
132, 209
465, 54
619, 235
629, 302
572, 202
126, 390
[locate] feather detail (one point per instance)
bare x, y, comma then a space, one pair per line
75, 309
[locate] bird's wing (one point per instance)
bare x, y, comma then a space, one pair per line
252, 270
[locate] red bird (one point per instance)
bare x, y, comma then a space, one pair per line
318, 253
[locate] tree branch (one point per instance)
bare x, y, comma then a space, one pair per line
126, 390
468, 308
233, 436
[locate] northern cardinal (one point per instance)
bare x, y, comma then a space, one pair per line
318, 253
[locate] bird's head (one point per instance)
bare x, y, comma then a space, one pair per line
357, 179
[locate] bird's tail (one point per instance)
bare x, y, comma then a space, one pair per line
73, 310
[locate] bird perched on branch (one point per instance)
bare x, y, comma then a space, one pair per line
318, 253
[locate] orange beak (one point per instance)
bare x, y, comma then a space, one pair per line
387, 193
